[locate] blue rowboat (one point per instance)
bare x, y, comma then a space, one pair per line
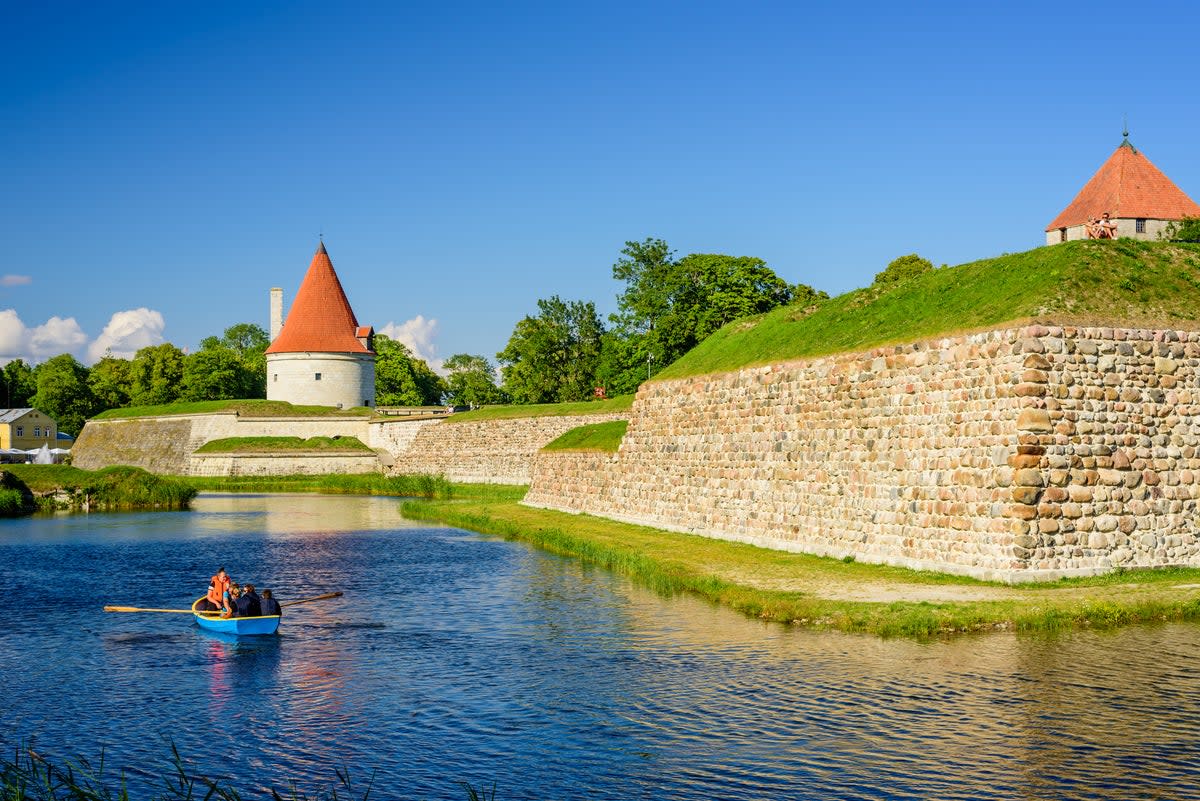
212, 621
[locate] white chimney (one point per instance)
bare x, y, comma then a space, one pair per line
276, 312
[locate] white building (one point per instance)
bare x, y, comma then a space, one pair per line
320, 356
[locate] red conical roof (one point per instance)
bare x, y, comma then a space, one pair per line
1127, 186
320, 318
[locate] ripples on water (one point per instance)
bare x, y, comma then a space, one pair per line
457, 658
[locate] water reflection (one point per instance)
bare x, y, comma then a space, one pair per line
457, 658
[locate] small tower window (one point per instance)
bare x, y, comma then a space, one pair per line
1140, 225
1062, 234
318, 377
275, 377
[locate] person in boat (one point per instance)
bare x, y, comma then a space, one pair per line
269, 605
231, 610
249, 605
218, 592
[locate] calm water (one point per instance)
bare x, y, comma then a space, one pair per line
458, 658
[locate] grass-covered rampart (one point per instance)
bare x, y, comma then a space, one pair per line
285, 445
114, 488
824, 593
619, 404
1122, 282
245, 408
409, 486
603, 437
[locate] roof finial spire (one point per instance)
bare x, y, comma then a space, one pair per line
1125, 126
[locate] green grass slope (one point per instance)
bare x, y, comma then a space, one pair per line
603, 437
1122, 282
284, 445
246, 408
620, 403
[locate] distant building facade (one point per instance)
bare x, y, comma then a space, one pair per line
320, 355
27, 429
1135, 194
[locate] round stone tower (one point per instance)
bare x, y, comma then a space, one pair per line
322, 356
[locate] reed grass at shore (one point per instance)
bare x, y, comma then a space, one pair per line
822, 593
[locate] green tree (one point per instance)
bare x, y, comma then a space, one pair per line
1185, 230
216, 373
402, 379
110, 381
157, 375
471, 381
672, 304
249, 341
902, 269
553, 356
20, 384
63, 393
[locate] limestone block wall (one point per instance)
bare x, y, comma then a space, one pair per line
158, 444
309, 464
1013, 454
487, 451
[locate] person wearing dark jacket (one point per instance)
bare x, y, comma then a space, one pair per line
255, 602
269, 605
246, 605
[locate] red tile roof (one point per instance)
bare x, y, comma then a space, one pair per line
1128, 186
320, 318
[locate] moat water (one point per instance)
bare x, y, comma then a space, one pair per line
458, 658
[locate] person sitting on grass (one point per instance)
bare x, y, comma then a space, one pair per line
269, 605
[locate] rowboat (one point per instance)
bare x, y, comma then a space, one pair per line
212, 621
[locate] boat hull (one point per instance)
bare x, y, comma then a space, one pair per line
241, 626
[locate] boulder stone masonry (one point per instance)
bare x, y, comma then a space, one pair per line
1017, 454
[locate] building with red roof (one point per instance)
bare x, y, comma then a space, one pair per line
1134, 193
320, 355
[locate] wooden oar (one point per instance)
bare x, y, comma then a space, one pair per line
139, 609
324, 597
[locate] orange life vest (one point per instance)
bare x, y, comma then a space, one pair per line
217, 588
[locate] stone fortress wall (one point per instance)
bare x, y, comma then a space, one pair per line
1016, 454
489, 451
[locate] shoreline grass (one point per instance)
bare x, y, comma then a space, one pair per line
822, 593
408, 486
61, 487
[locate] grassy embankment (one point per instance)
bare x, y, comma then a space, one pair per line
57, 486
603, 437
408, 486
1088, 283
621, 403
285, 445
245, 408
1122, 282
819, 592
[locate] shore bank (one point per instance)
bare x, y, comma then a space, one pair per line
822, 593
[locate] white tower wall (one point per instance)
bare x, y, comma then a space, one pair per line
345, 379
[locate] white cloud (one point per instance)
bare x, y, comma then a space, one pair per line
56, 335
15, 280
417, 335
127, 332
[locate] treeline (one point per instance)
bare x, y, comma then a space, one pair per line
562, 353
668, 305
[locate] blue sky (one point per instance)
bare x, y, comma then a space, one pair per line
165, 164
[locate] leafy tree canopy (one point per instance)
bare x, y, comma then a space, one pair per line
902, 269
63, 393
1185, 230
471, 381
553, 357
109, 380
157, 375
669, 305
401, 379
20, 384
